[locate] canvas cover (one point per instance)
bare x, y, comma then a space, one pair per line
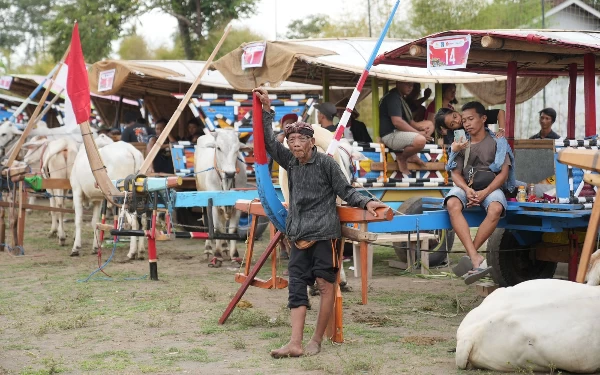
122, 70
494, 93
279, 61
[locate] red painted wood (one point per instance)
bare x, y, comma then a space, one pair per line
260, 153
572, 101
261, 261
589, 84
511, 97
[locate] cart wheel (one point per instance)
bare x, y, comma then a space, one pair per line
244, 226
438, 247
512, 267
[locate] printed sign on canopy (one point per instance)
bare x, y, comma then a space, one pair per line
106, 80
5, 82
254, 54
448, 52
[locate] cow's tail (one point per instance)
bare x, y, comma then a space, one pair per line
463, 352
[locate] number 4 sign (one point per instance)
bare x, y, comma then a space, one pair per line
448, 52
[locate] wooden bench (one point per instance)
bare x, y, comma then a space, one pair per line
396, 239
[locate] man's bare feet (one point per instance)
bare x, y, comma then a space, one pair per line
477, 261
417, 160
403, 167
312, 348
289, 350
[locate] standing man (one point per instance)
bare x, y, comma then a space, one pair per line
547, 119
327, 112
312, 226
398, 130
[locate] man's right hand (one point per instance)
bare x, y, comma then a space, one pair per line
472, 197
263, 95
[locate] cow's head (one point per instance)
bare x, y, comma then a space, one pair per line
103, 140
227, 147
8, 131
34, 149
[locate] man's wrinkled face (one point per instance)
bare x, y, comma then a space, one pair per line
300, 145
472, 121
545, 121
453, 121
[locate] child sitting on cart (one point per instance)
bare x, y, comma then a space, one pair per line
481, 170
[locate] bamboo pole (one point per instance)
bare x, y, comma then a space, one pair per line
27, 130
48, 107
159, 142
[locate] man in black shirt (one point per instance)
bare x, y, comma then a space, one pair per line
398, 130
312, 225
547, 119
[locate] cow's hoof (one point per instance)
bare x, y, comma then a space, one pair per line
75, 253
140, 257
344, 287
62, 241
52, 234
215, 262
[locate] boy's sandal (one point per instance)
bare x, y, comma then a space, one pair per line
463, 266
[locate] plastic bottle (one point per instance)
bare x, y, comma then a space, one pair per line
522, 194
531, 191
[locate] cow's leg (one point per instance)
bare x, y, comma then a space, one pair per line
54, 226
78, 206
232, 228
141, 245
95, 219
133, 219
221, 227
59, 202
31, 201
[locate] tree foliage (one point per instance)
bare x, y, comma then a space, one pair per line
21, 24
100, 22
134, 47
198, 19
312, 26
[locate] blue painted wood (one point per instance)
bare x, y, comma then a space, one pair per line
562, 179
220, 198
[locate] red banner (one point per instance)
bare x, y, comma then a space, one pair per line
449, 52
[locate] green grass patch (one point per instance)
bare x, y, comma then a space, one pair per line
112, 360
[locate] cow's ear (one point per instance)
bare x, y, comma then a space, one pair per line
245, 148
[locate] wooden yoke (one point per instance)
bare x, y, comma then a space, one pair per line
186, 99
590, 160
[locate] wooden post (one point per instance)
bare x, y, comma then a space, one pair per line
590, 239
438, 96
22, 212
325, 85
386, 86
250, 246
117, 122
375, 106
48, 107
572, 101
589, 83
511, 97
364, 265
335, 328
2, 228
184, 102
14, 218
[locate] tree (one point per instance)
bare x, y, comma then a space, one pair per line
134, 47
312, 26
236, 37
197, 19
100, 23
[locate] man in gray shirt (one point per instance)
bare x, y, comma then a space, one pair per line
313, 225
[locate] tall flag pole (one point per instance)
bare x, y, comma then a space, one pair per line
339, 132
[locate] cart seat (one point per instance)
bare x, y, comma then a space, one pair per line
584, 159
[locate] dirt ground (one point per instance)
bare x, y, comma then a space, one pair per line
52, 322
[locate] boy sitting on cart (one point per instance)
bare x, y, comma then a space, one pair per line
480, 171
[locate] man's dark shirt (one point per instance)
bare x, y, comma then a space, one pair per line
331, 128
314, 187
551, 135
137, 133
391, 105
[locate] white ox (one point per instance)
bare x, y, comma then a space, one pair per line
221, 166
9, 135
55, 159
121, 160
539, 325
343, 157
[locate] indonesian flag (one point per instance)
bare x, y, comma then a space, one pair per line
73, 77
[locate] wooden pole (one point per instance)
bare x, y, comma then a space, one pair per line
48, 107
590, 240
511, 97
375, 107
589, 84
32, 119
163, 136
325, 84
572, 101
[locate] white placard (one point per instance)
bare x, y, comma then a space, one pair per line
254, 55
106, 80
5, 82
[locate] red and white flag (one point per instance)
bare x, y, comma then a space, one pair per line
73, 77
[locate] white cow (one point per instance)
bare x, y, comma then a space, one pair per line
539, 325
57, 159
593, 274
343, 157
218, 154
121, 160
9, 135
